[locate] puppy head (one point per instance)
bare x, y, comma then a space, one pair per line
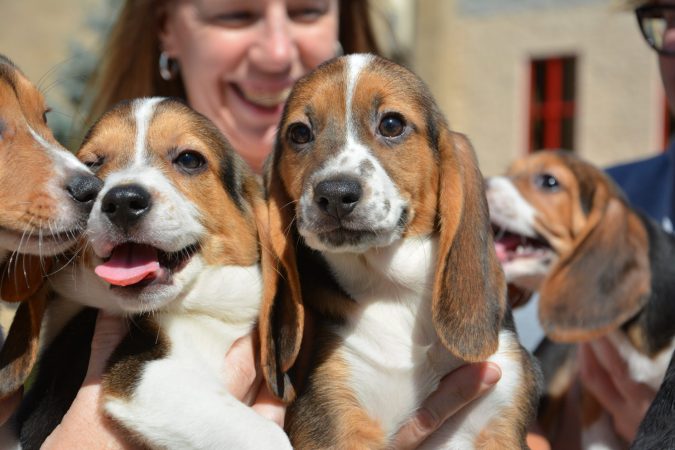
176, 199
45, 192
363, 158
580, 244
46, 195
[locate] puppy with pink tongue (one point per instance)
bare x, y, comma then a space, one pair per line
173, 242
130, 264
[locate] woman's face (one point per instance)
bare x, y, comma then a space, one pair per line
239, 58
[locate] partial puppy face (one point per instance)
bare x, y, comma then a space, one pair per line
45, 192
355, 151
175, 200
538, 210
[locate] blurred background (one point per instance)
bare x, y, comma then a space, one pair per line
514, 75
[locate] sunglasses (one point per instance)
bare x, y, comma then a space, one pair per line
657, 23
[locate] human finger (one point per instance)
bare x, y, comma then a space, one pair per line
268, 406
635, 393
109, 331
242, 378
455, 391
596, 379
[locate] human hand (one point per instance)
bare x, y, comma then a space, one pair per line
244, 379
605, 374
85, 425
455, 391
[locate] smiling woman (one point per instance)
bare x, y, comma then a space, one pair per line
232, 60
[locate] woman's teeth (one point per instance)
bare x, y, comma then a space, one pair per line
267, 99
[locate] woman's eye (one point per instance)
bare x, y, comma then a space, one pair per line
391, 125
547, 182
308, 11
305, 15
237, 19
190, 160
299, 133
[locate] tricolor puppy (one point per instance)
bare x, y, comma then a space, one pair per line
46, 195
173, 244
384, 211
600, 267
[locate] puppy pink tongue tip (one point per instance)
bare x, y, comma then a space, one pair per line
129, 264
502, 252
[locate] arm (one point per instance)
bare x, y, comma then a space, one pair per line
84, 426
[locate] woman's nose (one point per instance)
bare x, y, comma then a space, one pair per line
274, 49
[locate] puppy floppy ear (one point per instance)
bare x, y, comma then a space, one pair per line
469, 296
282, 314
604, 281
21, 276
21, 280
20, 350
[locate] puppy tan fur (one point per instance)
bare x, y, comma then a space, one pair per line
379, 222
174, 244
601, 268
46, 195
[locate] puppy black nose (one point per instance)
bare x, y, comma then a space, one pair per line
125, 205
337, 197
84, 189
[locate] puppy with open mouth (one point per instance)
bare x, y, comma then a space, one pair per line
173, 243
602, 269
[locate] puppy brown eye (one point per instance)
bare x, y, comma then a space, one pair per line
299, 133
391, 125
547, 182
190, 161
44, 115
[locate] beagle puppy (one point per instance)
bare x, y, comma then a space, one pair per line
601, 268
173, 243
380, 226
46, 195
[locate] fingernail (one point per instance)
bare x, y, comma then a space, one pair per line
492, 374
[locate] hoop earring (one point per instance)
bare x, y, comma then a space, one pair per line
168, 67
339, 51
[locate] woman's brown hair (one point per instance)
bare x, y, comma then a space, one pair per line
128, 67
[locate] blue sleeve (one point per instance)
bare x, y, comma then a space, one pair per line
648, 185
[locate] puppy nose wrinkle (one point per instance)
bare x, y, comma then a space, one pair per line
126, 205
337, 197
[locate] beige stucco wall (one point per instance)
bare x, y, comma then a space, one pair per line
478, 68
38, 36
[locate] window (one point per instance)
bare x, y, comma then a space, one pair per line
552, 103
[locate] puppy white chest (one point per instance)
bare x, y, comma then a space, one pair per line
392, 349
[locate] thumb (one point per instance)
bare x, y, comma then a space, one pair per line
108, 333
456, 390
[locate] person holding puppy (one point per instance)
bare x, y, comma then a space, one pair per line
649, 185
233, 61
